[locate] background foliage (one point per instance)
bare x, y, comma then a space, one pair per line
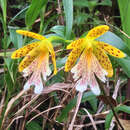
54, 108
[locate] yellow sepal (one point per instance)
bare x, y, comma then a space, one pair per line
111, 49
97, 32
24, 50
31, 34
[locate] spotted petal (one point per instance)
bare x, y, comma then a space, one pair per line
104, 61
86, 72
24, 50
94, 85
44, 65
80, 68
31, 34
49, 46
98, 70
81, 85
111, 49
38, 89
75, 44
32, 67
73, 56
97, 32
36, 81
28, 59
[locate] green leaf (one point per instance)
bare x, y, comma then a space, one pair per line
60, 62
59, 30
3, 4
94, 104
33, 125
108, 120
106, 3
124, 6
20, 13
68, 10
81, 18
109, 117
33, 11
88, 96
9, 83
9, 75
114, 40
8, 63
83, 3
86, 3
125, 64
16, 39
7, 43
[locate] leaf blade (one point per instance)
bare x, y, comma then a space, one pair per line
33, 11
68, 9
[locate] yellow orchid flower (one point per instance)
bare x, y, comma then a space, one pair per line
93, 59
36, 61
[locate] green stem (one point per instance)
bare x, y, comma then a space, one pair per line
57, 38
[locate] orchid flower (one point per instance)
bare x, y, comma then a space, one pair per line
93, 59
36, 61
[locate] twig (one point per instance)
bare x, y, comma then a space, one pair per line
76, 110
61, 19
91, 118
84, 125
45, 120
117, 28
43, 112
9, 105
62, 101
26, 105
116, 89
13, 121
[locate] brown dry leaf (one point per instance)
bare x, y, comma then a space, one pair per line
26, 105
10, 105
46, 90
76, 110
52, 108
57, 86
125, 124
91, 118
115, 93
2, 70
101, 115
107, 99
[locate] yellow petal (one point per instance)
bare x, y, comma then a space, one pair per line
89, 57
44, 55
104, 61
24, 50
48, 45
111, 49
97, 31
73, 56
75, 43
29, 59
31, 34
